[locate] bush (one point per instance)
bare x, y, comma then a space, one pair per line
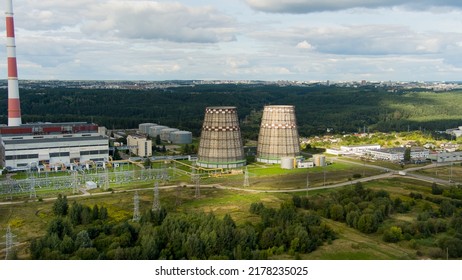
436, 190
393, 234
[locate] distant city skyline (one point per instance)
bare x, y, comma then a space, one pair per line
270, 40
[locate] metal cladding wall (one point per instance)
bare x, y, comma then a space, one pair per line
181, 137
165, 134
221, 143
278, 134
153, 131
144, 127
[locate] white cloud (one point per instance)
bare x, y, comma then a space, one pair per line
158, 20
304, 45
363, 39
310, 6
198, 39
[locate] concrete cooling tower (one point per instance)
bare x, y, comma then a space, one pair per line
278, 136
221, 144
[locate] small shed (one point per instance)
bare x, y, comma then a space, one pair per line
90, 185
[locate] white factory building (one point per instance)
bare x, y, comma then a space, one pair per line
446, 157
51, 144
397, 154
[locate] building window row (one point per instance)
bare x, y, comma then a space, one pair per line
21, 157
66, 147
97, 152
61, 154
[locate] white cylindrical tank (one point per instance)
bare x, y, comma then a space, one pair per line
287, 163
320, 160
155, 130
144, 127
181, 137
165, 134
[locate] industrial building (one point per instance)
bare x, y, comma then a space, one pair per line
446, 157
278, 135
221, 144
139, 145
397, 154
51, 144
457, 132
25, 145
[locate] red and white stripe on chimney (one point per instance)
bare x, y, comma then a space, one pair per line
14, 108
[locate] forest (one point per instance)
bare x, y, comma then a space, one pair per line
82, 232
317, 107
437, 223
418, 221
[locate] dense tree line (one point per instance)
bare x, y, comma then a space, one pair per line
439, 215
358, 207
88, 233
317, 107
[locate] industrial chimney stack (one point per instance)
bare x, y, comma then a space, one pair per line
14, 108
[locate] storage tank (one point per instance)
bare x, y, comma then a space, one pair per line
165, 134
181, 137
155, 130
278, 135
144, 127
288, 162
220, 145
320, 160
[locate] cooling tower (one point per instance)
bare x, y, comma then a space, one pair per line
14, 108
221, 143
278, 136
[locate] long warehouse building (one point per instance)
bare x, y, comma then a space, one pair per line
51, 143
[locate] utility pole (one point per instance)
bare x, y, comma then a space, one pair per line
246, 178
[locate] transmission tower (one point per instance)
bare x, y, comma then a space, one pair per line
32, 192
75, 182
136, 207
10, 189
106, 180
164, 172
156, 203
246, 178
9, 243
32, 183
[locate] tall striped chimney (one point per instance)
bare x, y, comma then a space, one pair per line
14, 108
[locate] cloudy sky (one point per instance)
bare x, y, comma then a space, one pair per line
304, 40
